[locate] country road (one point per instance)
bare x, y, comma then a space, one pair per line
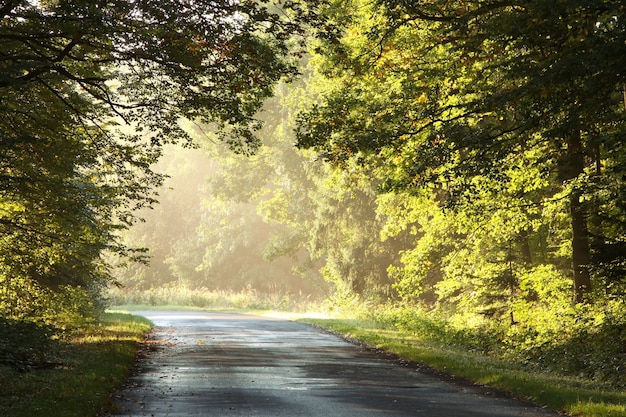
216, 364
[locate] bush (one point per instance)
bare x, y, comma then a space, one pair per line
593, 346
435, 326
587, 341
26, 344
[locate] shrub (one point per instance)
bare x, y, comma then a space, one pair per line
26, 344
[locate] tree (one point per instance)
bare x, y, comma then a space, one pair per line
257, 212
446, 93
90, 91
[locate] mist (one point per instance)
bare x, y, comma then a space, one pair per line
206, 232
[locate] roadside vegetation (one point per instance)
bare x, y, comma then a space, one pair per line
576, 396
547, 375
183, 298
46, 371
80, 366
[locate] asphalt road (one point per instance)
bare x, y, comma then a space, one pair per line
209, 364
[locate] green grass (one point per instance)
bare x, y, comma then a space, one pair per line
576, 397
94, 362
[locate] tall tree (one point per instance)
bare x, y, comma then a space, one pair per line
90, 90
445, 92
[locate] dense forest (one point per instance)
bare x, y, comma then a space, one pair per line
463, 160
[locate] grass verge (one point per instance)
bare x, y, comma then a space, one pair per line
91, 364
576, 397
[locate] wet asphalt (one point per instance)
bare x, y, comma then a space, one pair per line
217, 364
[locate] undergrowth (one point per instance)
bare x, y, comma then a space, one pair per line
180, 296
74, 373
573, 359
588, 342
432, 344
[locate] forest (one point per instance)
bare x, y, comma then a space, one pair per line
455, 163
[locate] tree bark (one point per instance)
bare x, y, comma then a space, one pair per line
525, 247
580, 248
580, 233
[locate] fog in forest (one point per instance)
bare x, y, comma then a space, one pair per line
206, 233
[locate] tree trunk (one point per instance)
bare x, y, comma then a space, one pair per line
580, 248
525, 247
580, 234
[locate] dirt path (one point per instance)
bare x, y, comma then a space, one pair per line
209, 364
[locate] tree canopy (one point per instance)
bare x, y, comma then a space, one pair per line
455, 95
90, 91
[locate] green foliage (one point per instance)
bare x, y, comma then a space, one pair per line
213, 228
491, 118
574, 341
35, 318
588, 343
64, 306
90, 93
435, 327
270, 221
168, 230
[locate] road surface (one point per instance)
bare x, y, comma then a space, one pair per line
211, 364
